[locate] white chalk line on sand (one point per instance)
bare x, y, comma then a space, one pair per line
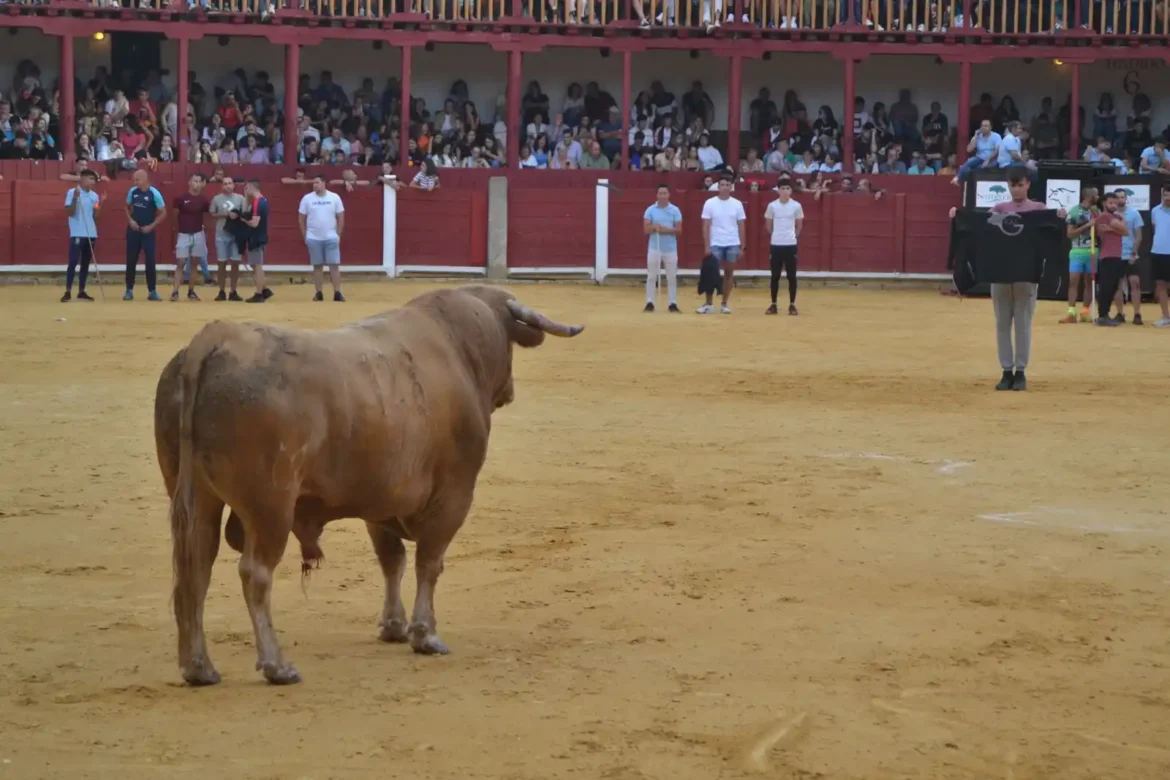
758, 755
1033, 518
945, 466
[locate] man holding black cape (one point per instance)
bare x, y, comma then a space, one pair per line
1008, 248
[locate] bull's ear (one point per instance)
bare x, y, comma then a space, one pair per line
524, 335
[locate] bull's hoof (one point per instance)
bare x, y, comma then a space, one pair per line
424, 642
393, 631
284, 674
200, 673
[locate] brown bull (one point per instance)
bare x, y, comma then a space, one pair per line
386, 420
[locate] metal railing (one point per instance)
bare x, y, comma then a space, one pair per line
1105, 18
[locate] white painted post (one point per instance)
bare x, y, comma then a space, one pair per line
389, 229
601, 233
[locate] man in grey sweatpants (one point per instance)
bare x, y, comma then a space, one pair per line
1015, 303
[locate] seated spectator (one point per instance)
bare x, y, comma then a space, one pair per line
595, 160
951, 167
527, 158
609, 134
447, 159
780, 159
166, 152
561, 161
1155, 159
752, 164
541, 151
807, 163
690, 162
665, 161
495, 156
831, 164
16, 149
252, 153
868, 165
918, 166
537, 127
709, 156
227, 152
893, 162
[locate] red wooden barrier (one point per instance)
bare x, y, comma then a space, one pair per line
7, 227
551, 228
441, 228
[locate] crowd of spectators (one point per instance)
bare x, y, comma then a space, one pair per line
129, 122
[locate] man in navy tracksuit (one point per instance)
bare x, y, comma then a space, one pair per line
145, 211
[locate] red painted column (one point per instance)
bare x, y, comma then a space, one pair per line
292, 78
626, 57
516, 129
404, 109
1074, 112
68, 118
848, 160
734, 111
963, 122
182, 140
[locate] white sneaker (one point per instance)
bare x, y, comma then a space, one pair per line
706, 308
793, 24
783, 24
1163, 323
725, 309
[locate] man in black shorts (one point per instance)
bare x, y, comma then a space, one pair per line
1160, 255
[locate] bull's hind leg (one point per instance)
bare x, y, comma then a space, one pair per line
266, 532
392, 556
192, 578
436, 528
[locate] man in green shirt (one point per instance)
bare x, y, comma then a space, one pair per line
594, 160
1080, 255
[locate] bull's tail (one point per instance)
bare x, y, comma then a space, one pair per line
187, 533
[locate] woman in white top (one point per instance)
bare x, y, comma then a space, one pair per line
830, 165
527, 158
537, 127
807, 164
561, 160
445, 160
709, 156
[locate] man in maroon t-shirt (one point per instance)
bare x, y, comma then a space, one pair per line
1113, 268
192, 243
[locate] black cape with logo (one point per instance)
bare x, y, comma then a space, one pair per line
1002, 248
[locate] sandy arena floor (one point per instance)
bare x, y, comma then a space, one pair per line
704, 548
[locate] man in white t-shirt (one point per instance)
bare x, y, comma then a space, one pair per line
784, 219
322, 220
723, 233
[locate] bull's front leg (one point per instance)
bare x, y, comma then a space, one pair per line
434, 530
391, 554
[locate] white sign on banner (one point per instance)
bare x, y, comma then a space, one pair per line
988, 193
1137, 196
1062, 193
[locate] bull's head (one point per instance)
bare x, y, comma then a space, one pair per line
523, 325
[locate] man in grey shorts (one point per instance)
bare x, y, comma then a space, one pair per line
322, 219
191, 244
227, 249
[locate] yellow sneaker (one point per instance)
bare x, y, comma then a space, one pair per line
1069, 318
1086, 316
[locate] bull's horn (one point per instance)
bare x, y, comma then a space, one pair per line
541, 322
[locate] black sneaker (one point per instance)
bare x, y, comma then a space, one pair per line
648, 309
174, 295
191, 296
83, 296
1119, 319
257, 298
235, 296
222, 296
318, 296
338, 297
772, 310
1005, 383
674, 309
1137, 318
791, 310
1106, 322
1019, 381
68, 296
267, 293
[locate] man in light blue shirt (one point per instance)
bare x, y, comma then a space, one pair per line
984, 148
1155, 159
1010, 148
918, 166
1131, 244
82, 205
663, 223
1160, 255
